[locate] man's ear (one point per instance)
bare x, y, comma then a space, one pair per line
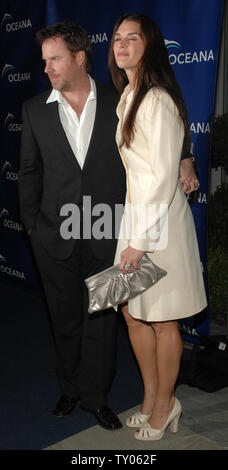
80, 57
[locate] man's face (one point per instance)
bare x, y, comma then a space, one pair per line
62, 66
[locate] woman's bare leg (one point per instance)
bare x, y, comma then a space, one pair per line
143, 341
169, 351
158, 350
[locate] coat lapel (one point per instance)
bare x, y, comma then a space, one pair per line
53, 119
97, 133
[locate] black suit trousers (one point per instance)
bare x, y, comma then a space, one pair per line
85, 343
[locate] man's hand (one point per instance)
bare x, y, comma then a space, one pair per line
188, 176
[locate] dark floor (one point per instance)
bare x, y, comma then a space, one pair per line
29, 389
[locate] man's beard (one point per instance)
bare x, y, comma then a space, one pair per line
63, 85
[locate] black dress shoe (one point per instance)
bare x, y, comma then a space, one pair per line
107, 418
64, 406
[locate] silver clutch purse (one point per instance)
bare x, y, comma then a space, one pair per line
112, 287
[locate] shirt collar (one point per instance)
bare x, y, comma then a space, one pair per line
56, 95
127, 93
124, 99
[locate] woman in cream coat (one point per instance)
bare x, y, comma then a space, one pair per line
152, 133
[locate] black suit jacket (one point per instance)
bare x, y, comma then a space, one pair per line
50, 175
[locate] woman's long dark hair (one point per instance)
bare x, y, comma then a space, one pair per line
154, 70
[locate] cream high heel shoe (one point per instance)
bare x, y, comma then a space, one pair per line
147, 433
137, 420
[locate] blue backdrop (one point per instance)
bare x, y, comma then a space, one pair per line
191, 29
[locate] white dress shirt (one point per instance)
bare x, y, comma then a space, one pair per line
78, 131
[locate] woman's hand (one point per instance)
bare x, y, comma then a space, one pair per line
130, 259
188, 177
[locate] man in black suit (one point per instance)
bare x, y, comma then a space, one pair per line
69, 157
68, 152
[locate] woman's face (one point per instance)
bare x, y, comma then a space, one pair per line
128, 46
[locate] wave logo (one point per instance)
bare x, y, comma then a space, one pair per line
6, 19
4, 213
9, 118
2, 259
11, 125
171, 43
7, 165
7, 69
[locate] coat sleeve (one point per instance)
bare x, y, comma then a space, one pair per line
163, 133
30, 174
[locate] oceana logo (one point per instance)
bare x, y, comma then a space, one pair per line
9, 25
12, 76
7, 173
11, 125
187, 57
9, 270
202, 198
98, 38
200, 127
8, 223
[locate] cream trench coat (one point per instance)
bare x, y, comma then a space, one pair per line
152, 168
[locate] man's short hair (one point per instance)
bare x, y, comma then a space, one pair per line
74, 36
